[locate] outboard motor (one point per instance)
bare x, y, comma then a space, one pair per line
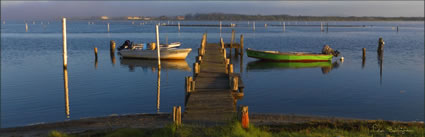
328, 50
126, 45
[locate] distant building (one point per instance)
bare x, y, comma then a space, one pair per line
104, 17
180, 17
134, 18
146, 18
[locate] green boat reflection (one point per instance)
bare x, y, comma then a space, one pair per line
273, 65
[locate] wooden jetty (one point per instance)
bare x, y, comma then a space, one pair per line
213, 89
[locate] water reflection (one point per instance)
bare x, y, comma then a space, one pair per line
153, 64
65, 80
380, 62
326, 67
158, 90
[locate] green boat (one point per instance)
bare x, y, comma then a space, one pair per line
288, 56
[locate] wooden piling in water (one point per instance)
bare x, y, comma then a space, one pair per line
188, 84
253, 25
381, 45
230, 71
112, 46
222, 43
241, 46
321, 26
284, 26
195, 69
364, 53
108, 27
65, 58
66, 89
95, 52
232, 39
397, 28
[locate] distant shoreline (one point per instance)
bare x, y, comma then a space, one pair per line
241, 17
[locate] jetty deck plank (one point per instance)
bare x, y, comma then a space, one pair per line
212, 100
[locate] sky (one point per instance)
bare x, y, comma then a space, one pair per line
53, 9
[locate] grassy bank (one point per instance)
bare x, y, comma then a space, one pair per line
234, 129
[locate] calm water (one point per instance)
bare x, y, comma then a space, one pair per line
32, 78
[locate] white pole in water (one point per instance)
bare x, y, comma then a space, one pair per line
65, 61
157, 46
220, 28
26, 27
179, 25
253, 25
284, 26
108, 27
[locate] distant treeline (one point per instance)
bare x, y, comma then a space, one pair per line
222, 16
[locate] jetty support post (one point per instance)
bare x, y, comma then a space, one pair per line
188, 84
177, 116
196, 68
65, 58
243, 116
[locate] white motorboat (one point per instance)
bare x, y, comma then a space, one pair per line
165, 53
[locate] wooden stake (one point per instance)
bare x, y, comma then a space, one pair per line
230, 69
157, 46
233, 39
364, 53
108, 27
112, 46
65, 60
253, 25
241, 50
174, 113
245, 117
26, 27
380, 45
235, 85
95, 52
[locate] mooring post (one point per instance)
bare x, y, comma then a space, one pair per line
112, 46
157, 44
380, 45
26, 27
65, 58
187, 83
321, 26
364, 53
253, 25
174, 113
284, 26
95, 52
245, 117
178, 24
179, 115
241, 46
397, 28
108, 27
